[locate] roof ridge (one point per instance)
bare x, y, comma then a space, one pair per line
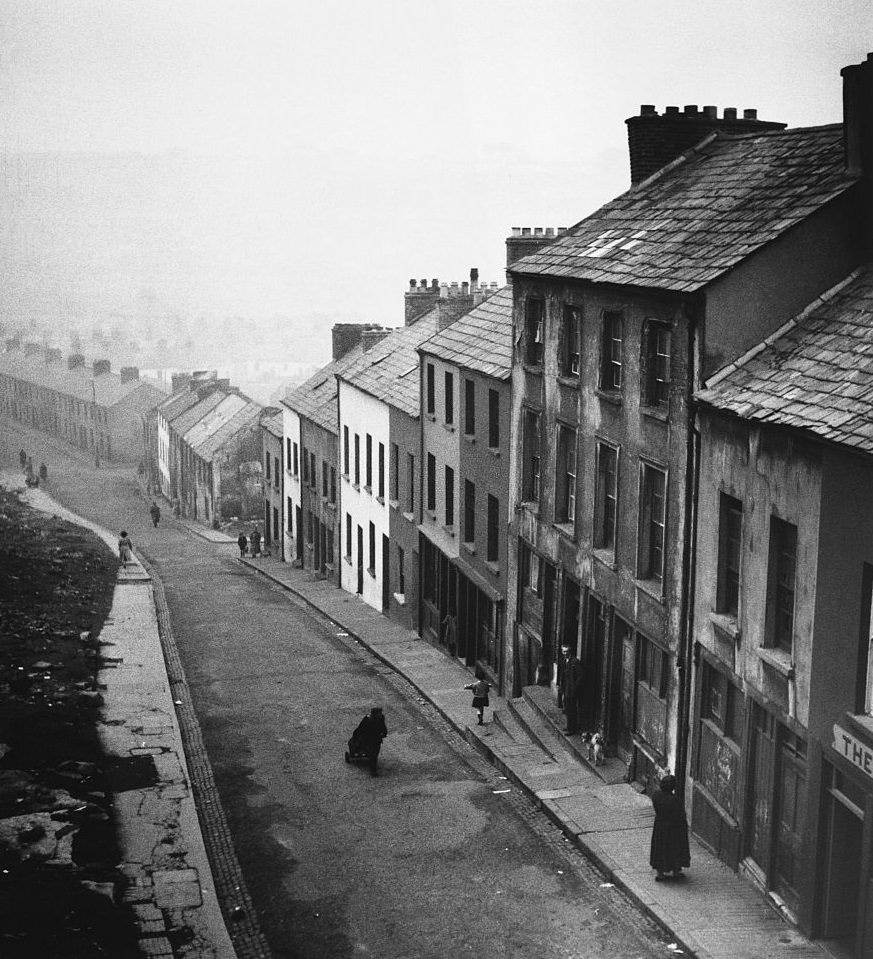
795, 320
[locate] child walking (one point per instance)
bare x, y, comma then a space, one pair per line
480, 697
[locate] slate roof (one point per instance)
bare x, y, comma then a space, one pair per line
210, 444
274, 424
815, 373
481, 340
230, 404
703, 214
185, 420
389, 370
108, 389
316, 399
177, 403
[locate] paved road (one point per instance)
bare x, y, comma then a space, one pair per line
436, 858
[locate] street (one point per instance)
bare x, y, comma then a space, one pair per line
436, 857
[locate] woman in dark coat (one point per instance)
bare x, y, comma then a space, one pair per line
669, 851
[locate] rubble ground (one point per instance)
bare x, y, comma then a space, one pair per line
59, 881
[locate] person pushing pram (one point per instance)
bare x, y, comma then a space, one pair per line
366, 740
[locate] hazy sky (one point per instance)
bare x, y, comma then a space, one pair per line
387, 139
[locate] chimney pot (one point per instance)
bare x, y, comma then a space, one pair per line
434, 284
465, 288
672, 111
550, 231
648, 110
412, 284
562, 229
538, 231
516, 231
525, 231
474, 278
750, 114
691, 110
444, 291
711, 112
424, 283
730, 113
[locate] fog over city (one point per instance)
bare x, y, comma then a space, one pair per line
183, 184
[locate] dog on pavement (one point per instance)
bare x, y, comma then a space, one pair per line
594, 743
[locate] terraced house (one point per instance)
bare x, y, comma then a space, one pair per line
617, 321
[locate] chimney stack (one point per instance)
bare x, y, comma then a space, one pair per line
75, 361
369, 338
179, 380
101, 367
52, 355
526, 239
346, 336
655, 140
31, 348
129, 373
858, 116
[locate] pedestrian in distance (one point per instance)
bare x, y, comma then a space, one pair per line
156, 514
125, 549
669, 853
256, 542
480, 689
243, 544
22, 458
367, 738
571, 689
43, 472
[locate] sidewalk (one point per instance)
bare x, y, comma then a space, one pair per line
170, 886
713, 914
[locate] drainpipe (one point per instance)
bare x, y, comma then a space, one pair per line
684, 659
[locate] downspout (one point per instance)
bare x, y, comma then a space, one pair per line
684, 659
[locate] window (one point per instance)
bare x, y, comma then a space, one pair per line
534, 313
469, 407
469, 512
371, 569
493, 528
565, 480
313, 476
781, 574
655, 364
533, 573
325, 486
864, 685
333, 485
610, 352
346, 451
730, 528
431, 483
310, 527
395, 472
289, 512
450, 398
294, 467
276, 471
531, 479
401, 571
652, 667
305, 467
450, 496
381, 487
431, 391
493, 419
605, 497
288, 453
267, 465
410, 480
571, 333
653, 510
357, 460
348, 537
329, 547
369, 462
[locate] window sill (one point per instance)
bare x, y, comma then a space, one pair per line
409, 517
344, 476
348, 559
371, 573
470, 548
331, 504
393, 503
610, 396
450, 530
571, 380
330, 567
532, 506
607, 557
368, 489
777, 659
431, 417
566, 529
656, 413
400, 598
449, 427
726, 625
494, 451
492, 567
470, 437
653, 588
536, 368
356, 487
430, 514
380, 500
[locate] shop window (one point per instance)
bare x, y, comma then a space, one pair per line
730, 528
781, 575
571, 336
611, 351
864, 687
652, 525
605, 496
534, 315
655, 364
